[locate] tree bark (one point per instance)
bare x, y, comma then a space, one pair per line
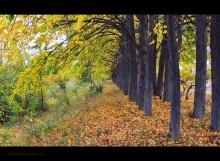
166, 94
159, 90
126, 61
174, 128
148, 86
41, 93
120, 66
188, 90
215, 70
152, 53
65, 95
179, 28
126, 71
143, 21
133, 61
201, 67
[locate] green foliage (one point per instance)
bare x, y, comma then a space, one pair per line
99, 89
10, 17
15, 104
5, 114
85, 76
186, 72
4, 138
6, 88
54, 97
96, 90
40, 130
37, 52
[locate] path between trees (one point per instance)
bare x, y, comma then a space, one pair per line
111, 119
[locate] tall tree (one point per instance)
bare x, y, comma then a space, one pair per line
152, 52
167, 75
133, 61
201, 67
126, 60
166, 94
174, 128
125, 68
149, 85
143, 21
215, 69
161, 68
124, 63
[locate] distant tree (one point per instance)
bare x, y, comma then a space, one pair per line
160, 79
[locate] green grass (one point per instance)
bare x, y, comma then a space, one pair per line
22, 132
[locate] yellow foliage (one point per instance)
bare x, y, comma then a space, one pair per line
152, 42
79, 23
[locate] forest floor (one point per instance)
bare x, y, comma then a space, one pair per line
110, 119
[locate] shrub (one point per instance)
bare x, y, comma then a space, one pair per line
5, 114
96, 90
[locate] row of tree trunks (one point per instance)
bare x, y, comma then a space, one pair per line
201, 67
121, 73
135, 73
143, 85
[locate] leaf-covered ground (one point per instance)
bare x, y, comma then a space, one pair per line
111, 119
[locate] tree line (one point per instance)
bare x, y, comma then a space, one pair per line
142, 54
135, 72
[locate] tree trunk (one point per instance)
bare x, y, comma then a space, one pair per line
142, 60
120, 66
215, 69
127, 70
122, 63
41, 93
152, 53
166, 94
184, 88
179, 27
65, 95
126, 61
139, 56
148, 86
161, 70
174, 129
201, 65
187, 92
133, 62
155, 65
